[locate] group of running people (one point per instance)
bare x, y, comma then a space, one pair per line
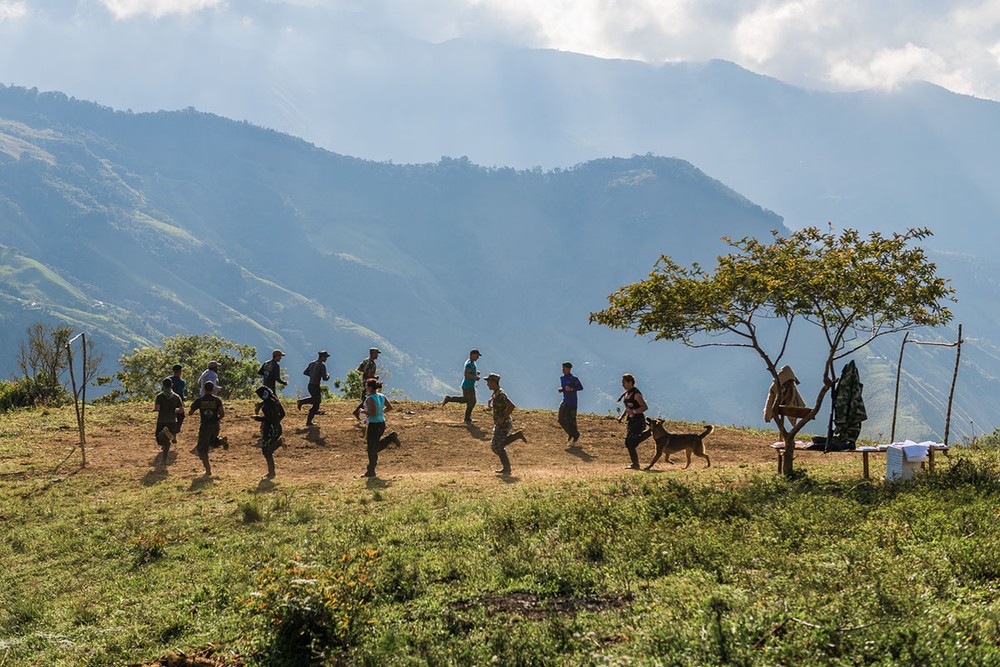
169, 405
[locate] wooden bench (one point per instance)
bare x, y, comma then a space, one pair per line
779, 447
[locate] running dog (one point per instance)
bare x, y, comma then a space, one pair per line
671, 443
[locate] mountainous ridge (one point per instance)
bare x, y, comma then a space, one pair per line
270, 240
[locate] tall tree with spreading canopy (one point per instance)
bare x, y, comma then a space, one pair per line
854, 288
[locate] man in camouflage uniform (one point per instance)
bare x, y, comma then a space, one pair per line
369, 371
502, 407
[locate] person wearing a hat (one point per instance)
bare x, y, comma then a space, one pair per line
179, 385
569, 384
211, 374
369, 371
167, 405
270, 426
502, 408
209, 407
469, 380
270, 372
316, 370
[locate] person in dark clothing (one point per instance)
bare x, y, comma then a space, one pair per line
167, 405
369, 371
209, 407
270, 426
179, 385
469, 379
376, 405
502, 407
270, 372
635, 412
568, 386
317, 374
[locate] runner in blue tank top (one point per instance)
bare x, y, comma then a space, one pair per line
376, 405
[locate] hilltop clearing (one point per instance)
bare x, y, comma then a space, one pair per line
436, 446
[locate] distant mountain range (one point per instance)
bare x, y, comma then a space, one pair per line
138, 226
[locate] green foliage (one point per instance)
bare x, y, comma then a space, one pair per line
143, 369
43, 358
304, 610
23, 393
846, 284
854, 289
352, 384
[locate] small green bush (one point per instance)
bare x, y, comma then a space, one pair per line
304, 611
27, 392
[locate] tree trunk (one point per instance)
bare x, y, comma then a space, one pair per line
786, 464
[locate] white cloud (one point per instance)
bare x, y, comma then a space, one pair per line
762, 34
12, 10
127, 9
886, 68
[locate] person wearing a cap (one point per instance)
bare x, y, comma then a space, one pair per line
211, 374
270, 372
316, 370
369, 371
167, 406
209, 407
569, 384
469, 380
179, 385
502, 407
270, 426
376, 405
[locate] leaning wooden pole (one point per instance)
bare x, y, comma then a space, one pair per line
80, 409
895, 400
954, 379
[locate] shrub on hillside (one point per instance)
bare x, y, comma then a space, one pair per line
143, 369
26, 392
303, 611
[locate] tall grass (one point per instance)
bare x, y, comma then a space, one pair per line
753, 570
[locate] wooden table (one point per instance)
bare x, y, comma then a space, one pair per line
779, 447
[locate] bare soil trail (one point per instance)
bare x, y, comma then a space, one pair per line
436, 445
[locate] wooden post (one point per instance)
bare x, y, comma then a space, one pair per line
80, 408
954, 378
895, 400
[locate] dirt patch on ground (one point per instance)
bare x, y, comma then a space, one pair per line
209, 657
436, 444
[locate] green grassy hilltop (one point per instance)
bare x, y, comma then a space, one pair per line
731, 565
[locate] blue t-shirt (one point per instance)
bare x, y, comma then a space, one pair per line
569, 397
470, 369
379, 400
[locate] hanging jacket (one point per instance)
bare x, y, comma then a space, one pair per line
783, 392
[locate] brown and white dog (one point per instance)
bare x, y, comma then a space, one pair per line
671, 443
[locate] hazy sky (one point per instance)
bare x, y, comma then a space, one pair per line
829, 44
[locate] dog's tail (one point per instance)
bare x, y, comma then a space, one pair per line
708, 431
